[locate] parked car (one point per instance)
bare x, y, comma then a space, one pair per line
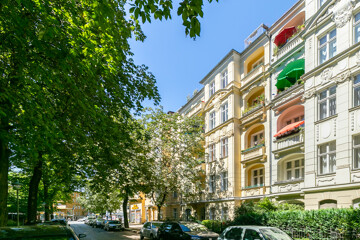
113, 225
252, 233
98, 223
89, 219
82, 219
150, 230
186, 231
39, 232
102, 225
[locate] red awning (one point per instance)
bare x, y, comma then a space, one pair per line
289, 127
283, 36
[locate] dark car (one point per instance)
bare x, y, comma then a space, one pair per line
113, 225
150, 230
39, 232
253, 232
185, 231
98, 222
61, 221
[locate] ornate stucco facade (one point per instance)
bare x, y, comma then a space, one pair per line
282, 117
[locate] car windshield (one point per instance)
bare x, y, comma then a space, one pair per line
193, 227
113, 222
274, 234
154, 225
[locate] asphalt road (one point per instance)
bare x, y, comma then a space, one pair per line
101, 234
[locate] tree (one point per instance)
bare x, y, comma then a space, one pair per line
176, 150
65, 66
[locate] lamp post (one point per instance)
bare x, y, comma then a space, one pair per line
16, 185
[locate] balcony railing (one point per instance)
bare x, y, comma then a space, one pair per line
254, 186
289, 141
253, 73
251, 109
253, 191
253, 152
288, 46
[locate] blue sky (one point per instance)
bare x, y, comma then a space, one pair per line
179, 63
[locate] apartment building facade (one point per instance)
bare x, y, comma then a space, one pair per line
283, 116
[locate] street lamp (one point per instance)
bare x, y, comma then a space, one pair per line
16, 185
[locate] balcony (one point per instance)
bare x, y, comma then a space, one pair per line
289, 141
288, 47
253, 152
252, 191
253, 74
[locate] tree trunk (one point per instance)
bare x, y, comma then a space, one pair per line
33, 192
160, 204
125, 203
159, 214
46, 197
4, 168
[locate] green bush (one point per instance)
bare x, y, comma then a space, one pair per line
215, 225
316, 223
11, 223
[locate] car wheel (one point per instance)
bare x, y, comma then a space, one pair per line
141, 237
152, 237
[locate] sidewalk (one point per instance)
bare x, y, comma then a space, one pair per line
134, 227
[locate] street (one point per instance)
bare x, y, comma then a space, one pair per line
101, 234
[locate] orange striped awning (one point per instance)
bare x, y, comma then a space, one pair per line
289, 127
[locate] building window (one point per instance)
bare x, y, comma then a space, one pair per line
224, 112
356, 146
224, 181
327, 158
224, 79
175, 194
257, 64
224, 147
257, 177
357, 28
294, 169
329, 203
224, 214
212, 88
187, 214
212, 120
327, 103
212, 184
357, 91
212, 214
257, 138
175, 213
327, 46
212, 152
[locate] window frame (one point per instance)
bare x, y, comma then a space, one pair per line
224, 78
224, 112
258, 177
356, 86
212, 152
224, 213
252, 143
212, 213
354, 148
327, 45
175, 213
328, 154
224, 145
258, 63
327, 99
293, 169
212, 88
224, 181
212, 120
212, 183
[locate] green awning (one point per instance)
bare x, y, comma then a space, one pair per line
290, 74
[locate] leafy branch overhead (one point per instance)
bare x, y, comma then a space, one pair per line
189, 10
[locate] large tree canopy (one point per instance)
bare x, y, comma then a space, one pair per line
66, 69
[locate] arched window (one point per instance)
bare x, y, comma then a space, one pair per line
356, 203
257, 177
328, 203
294, 169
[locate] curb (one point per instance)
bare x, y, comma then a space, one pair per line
132, 230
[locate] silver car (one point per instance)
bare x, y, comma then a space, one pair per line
150, 230
253, 233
